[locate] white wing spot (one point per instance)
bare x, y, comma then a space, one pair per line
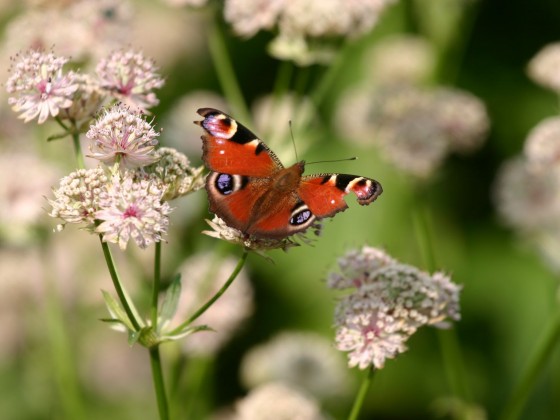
222, 152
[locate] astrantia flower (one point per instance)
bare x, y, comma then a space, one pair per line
131, 78
222, 231
414, 128
277, 401
123, 136
173, 169
544, 67
305, 360
203, 275
77, 197
528, 196
305, 27
542, 146
38, 87
86, 101
389, 303
132, 210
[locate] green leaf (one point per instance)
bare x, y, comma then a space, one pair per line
188, 330
116, 310
170, 302
58, 136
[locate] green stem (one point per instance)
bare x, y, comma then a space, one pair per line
78, 150
449, 343
225, 72
159, 385
156, 286
328, 78
118, 286
214, 298
542, 354
62, 360
361, 396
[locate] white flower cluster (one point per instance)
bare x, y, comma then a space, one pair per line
129, 200
40, 88
388, 302
305, 28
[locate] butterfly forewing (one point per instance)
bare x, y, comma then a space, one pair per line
231, 148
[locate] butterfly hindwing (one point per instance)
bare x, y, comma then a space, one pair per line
230, 147
324, 193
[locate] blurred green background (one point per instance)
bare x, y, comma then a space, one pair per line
509, 295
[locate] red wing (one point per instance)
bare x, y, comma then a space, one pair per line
324, 193
229, 147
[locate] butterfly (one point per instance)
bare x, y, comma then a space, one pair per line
250, 189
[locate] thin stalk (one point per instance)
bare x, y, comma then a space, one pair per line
226, 73
156, 286
449, 343
361, 396
62, 358
159, 385
542, 354
214, 298
78, 150
118, 286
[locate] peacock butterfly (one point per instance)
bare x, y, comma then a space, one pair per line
251, 191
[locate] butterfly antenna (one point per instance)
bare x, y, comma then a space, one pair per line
331, 161
293, 139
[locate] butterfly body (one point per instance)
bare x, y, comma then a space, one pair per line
253, 192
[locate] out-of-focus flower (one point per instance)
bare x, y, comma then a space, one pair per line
528, 197
77, 197
414, 128
96, 27
123, 136
277, 401
389, 303
544, 67
222, 231
131, 78
202, 276
542, 146
305, 28
130, 210
38, 87
173, 170
304, 360
250, 16
463, 119
24, 182
401, 59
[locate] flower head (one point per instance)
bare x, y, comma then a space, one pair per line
87, 99
390, 302
543, 67
304, 360
131, 78
542, 146
305, 28
222, 231
278, 401
38, 87
77, 197
173, 170
123, 136
132, 210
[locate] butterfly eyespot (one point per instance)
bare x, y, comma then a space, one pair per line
301, 215
224, 183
